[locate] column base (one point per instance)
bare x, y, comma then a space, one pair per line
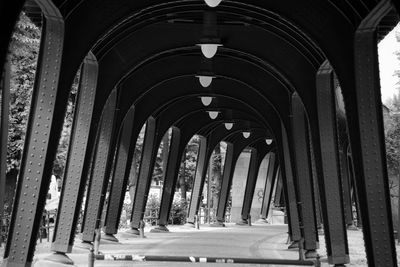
160, 229
189, 224
242, 222
55, 259
217, 224
109, 237
352, 227
262, 220
294, 244
133, 231
311, 254
84, 244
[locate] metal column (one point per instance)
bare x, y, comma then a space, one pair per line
368, 145
144, 177
226, 182
278, 191
334, 225
120, 177
304, 175
100, 175
201, 168
269, 186
290, 187
171, 171
44, 127
73, 181
5, 103
254, 165
345, 184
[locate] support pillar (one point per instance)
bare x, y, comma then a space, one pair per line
304, 175
43, 131
74, 181
290, 187
278, 191
368, 144
345, 182
5, 103
201, 169
226, 183
100, 172
120, 177
334, 225
250, 185
144, 177
171, 171
269, 186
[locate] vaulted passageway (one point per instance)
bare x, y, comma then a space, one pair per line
296, 81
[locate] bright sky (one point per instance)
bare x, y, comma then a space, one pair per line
388, 63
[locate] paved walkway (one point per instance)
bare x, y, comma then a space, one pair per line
258, 241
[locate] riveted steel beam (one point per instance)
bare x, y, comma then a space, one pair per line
279, 190
42, 135
100, 171
120, 175
171, 172
368, 145
334, 224
5, 100
345, 183
73, 181
289, 186
229, 166
250, 183
315, 181
269, 185
257, 156
304, 175
149, 151
201, 169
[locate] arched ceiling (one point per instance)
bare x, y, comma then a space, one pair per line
270, 49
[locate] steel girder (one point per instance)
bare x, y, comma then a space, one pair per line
149, 151
304, 176
269, 185
233, 151
278, 191
100, 172
257, 156
177, 146
74, 181
291, 194
198, 183
120, 176
368, 146
334, 225
5, 99
45, 121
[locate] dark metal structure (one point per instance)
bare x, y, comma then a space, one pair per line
275, 69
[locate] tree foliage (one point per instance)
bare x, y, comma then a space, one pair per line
24, 49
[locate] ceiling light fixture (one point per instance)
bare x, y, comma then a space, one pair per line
212, 3
213, 114
206, 100
246, 134
228, 125
204, 80
209, 49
